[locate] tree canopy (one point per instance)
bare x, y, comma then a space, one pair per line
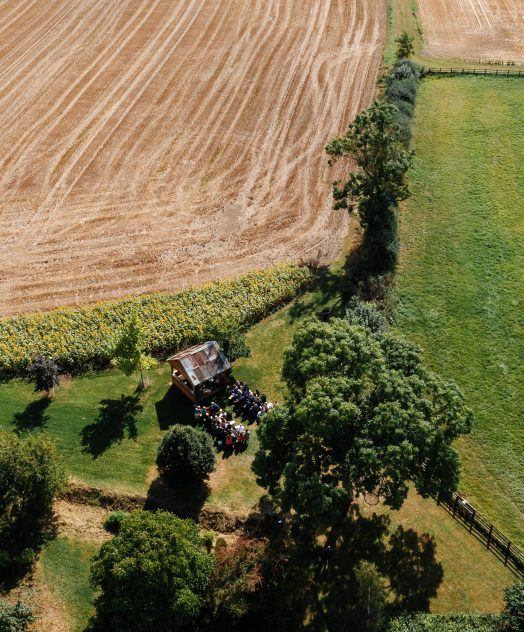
363, 417
30, 478
373, 142
128, 354
45, 374
153, 575
186, 455
405, 48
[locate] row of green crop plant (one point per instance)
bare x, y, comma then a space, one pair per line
84, 338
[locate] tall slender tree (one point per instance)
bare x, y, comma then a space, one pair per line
128, 354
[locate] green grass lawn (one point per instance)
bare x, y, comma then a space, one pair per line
64, 567
461, 278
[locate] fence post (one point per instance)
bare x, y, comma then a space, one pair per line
507, 553
472, 519
455, 506
489, 536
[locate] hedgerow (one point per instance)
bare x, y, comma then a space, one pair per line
83, 338
445, 623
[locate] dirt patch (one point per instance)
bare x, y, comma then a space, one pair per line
486, 30
81, 522
186, 504
149, 144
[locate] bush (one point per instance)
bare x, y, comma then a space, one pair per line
85, 337
444, 623
402, 90
44, 373
112, 522
15, 618
365, 315
29, 481
153, 575
512, 618
185, 455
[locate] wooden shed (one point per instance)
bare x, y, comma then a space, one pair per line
200, 371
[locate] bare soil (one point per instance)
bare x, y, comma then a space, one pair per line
153, 144
486, 30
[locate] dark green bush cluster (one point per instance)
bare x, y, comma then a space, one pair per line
15, 618
401, 91
445, 623
30, 478
186, 455
113, 520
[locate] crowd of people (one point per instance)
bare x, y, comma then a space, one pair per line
248, 405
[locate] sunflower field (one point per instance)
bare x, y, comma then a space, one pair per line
84, 338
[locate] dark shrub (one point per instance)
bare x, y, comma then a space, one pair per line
112, 522
45, 374
153, 575
15, 618
185, 455
366, 315
402, 90
512, 618
29, 481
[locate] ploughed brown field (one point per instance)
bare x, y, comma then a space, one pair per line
153, 144
487, 30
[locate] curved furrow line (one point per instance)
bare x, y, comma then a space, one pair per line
27, 46
168, 104
45, 74
148, 72
234, 85
66, 102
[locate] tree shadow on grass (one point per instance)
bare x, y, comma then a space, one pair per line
33, 416
115, 418
404, 557
174, 408
186, 501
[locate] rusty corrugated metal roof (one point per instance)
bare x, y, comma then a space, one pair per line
202, 362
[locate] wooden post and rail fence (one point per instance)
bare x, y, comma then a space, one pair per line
486, 532
472, 71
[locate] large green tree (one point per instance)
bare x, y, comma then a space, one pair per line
30, 478
363, 418
372, 141
153, 575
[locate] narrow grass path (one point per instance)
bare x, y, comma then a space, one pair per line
461, 279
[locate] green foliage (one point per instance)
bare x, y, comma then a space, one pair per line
373, 142
153, 575
81, 338
365, 315
405, 48
363, 416
45, 374
113, 521
401, 91
15, 618
237, 581
370, 612
128, 355
30, 478
512, 617
185, 455
445, 623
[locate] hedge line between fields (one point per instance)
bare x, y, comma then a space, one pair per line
401, 90
83, 338
445, 623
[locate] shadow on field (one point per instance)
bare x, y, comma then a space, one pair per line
116, 417
34, 415
174, 408
186, 501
